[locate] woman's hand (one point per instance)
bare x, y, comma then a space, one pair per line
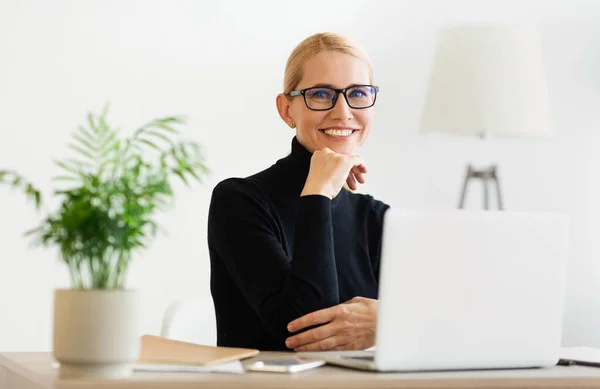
329, 170
347, 326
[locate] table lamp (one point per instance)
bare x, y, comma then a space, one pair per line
488, 81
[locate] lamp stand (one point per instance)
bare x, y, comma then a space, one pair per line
486, 175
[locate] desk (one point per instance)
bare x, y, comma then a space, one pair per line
34, 371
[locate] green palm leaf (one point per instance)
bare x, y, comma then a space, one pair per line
82, 151
85, 134
16, 181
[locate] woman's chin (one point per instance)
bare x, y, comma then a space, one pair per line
342, 145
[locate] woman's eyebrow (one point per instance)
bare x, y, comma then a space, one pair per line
322, 85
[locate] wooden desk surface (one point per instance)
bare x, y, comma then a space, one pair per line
34, 371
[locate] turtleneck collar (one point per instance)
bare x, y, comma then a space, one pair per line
300, 156
296, 166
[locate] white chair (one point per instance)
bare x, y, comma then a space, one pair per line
191, 320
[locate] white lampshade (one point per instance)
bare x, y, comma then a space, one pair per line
488, 80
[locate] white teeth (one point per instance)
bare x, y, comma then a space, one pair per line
338, 132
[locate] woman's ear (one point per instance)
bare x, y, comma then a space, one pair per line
284, 109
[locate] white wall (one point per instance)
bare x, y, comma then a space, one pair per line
221, 64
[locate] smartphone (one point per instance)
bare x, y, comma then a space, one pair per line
284, 365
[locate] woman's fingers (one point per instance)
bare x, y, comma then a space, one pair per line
314, 335
355, 176
358, 171
359, 174
351, 181
358, 163
322, 345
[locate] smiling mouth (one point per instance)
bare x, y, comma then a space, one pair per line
338, 132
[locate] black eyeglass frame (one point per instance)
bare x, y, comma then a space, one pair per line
335, 99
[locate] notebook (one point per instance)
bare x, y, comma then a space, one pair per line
234, 367
157, 350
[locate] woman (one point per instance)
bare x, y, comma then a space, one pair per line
295, 255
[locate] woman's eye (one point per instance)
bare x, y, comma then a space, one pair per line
358, 93
320, 94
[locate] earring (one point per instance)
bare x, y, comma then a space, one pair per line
292, 124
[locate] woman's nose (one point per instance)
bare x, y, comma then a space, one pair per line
341, 110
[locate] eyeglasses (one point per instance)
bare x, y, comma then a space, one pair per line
324, 98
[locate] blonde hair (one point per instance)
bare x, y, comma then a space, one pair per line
313, 45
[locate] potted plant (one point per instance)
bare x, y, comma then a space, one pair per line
117, 185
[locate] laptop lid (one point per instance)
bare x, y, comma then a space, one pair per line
471, 289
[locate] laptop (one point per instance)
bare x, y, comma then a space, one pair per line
467, 290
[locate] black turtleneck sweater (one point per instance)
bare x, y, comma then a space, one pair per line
276, 256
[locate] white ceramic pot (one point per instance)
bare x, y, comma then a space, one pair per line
96, 332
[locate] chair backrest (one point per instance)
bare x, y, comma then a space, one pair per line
191, 320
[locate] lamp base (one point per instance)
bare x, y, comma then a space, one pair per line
486, 175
